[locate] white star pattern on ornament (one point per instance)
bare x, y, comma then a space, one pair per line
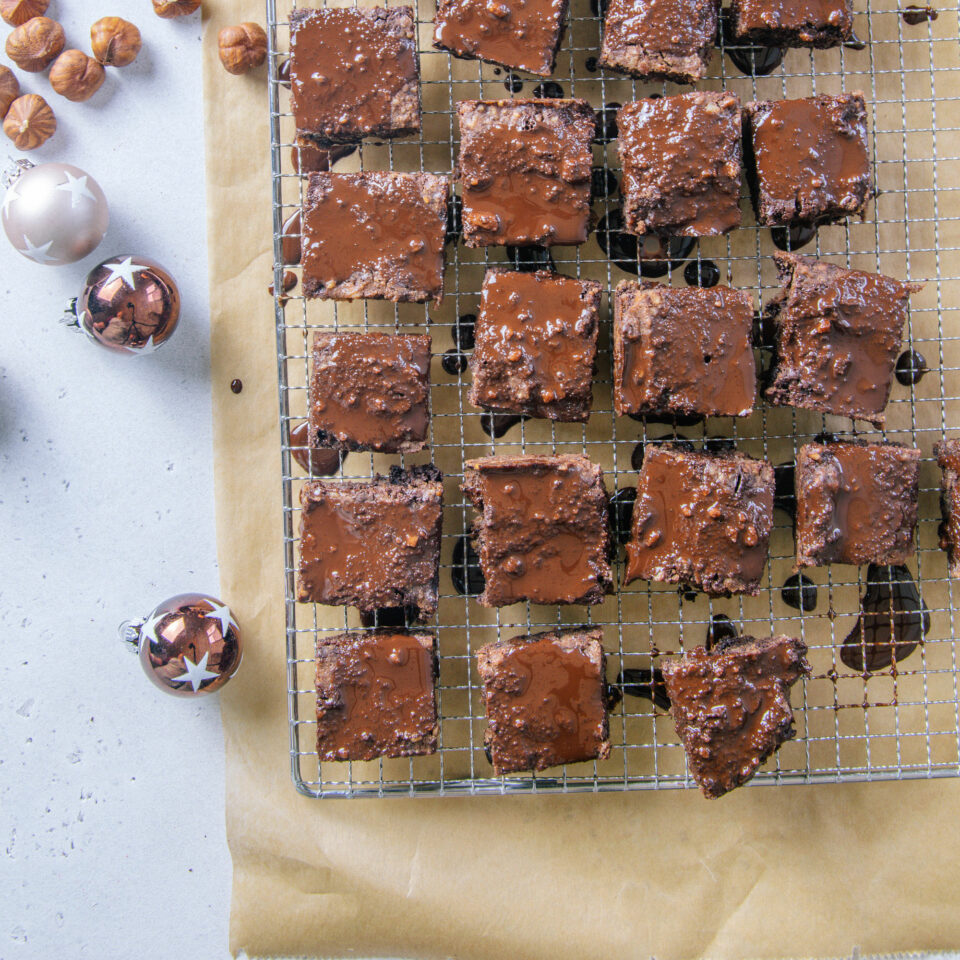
223, 614
11, 195
38, 254
123, 271
149, 627
149, 346
196, 673
77, 188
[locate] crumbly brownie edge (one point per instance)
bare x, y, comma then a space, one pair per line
947, 453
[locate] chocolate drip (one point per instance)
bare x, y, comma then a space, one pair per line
701, 273
513, 83
854, 42
549, 89
464, 333
497, 424
453, 362
290, 244
720, 628
317, 462
911, 367
621, 510
531, 258
627, 252
784, 490
607, 123
669, 419
893, 620
466, 573
603, 183
719, 444
454, 220
915, 15
648, 684
749, 59
794, 237
636, 457
591, 64
389, 617
236, 385
799, 592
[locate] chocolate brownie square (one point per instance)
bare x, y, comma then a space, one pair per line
542, 534
354, 73
836, 338
856, 502
370, 391
682, 350
731, 707
792, 23
524, 170
948, 457
659, 39
374, 235
519, 36
701, 519
546, 700
372, 544
807, 159
681, 164
536, 344
376, 695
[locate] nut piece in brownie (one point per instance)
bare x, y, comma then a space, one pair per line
701, 519
354, 73
542, 534
807, 159
376, 695
545, 700
948, 457
374, 235
682, 350
524, 170
372, 544
732, 708
659, 39
837, 335
681, 164
792, 23
518, 34
856, 502
536, 344
370, 391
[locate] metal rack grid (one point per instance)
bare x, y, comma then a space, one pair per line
902, 722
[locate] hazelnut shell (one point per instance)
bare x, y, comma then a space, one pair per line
9, 89
76, 76
29, 122
16, 12
115, 42
168, 9
34, 45
242, 48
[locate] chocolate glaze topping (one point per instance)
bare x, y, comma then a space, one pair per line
374, 235
837, 337
521, 34
947, 453
684, 351
372, 545
856, 502
536, 343
354, 73
808, 158
732, 708
545, 700
376, 695
524, 169
702, 519
681, 164
792, 23
542, 533
370, 391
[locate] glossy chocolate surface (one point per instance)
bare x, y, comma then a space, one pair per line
792, 23
659, 39
542, 531
536, 344
732, 708
681, 164
354, 73
375, 236
682, 350
837, 336
376, 695
947, 453
856, 503
808, 158
525, 170
545, 701
370, 391
518, 34
372, 545
701, 519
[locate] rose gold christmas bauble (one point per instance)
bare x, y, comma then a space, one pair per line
189, 645
129, 304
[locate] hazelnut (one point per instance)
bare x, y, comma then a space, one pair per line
9, 89
34, 45
76, 76
168, 9
242, 48
29, 122
16, 12
115, 42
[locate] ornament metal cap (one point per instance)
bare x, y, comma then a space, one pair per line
188, 646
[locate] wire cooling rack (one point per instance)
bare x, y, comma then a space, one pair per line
899, 722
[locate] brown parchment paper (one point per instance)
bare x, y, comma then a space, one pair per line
795, 871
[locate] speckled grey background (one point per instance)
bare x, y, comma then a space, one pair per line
111, 794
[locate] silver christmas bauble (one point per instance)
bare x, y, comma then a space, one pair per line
54, 213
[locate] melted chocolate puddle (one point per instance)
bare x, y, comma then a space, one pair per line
784, 492
644, 683
453, 362
606, 123
389, 617
290, 244
720, 628
915, 15
893, 620
636, 457
318, 462
650, 256
467, 576
799, 592
794, 237
620, 510
464, 333
911, 366
497, 424
548, 90
454, 219
528, 259
513, 83
701, 273
603, 183
751, 60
